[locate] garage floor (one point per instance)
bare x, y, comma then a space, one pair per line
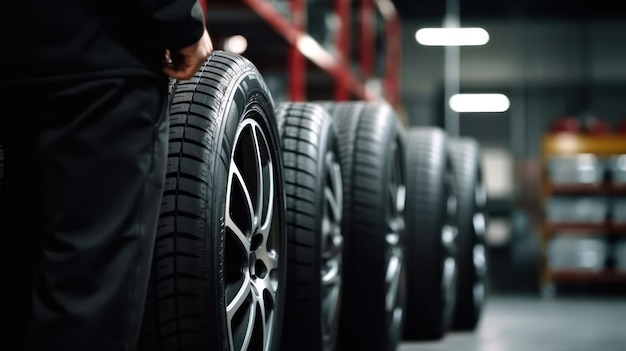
525, 323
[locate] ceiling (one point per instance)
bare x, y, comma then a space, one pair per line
523, 9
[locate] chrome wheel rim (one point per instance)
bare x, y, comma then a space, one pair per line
332, 251
394, 276
449, 232
479, 257
253, 240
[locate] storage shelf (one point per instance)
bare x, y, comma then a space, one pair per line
586, 228
571, 144
605, 188
568, 144
581, 276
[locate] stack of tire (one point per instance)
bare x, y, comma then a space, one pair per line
271, 216
308, 225
445, 223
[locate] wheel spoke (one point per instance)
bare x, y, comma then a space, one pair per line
248, 330
480, 195
449, 268
239, 234
334, 187
392, 280
266, 180
264, 307
240, 298
331, 275
480, 261
393, 200
237, 307
332, 247
332, 239
448, 239
333, 203
237, 180
400, 198
238, 221
330, 305
479, 223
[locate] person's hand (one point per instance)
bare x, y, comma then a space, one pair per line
184, 63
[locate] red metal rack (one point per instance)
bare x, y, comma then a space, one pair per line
311, 70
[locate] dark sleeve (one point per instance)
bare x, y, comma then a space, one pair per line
180, 22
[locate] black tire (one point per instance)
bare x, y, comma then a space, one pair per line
430, 232
472, 260
372, 165
315, 242
220, 256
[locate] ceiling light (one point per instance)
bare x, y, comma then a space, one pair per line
479, 103
237, 44
311, 49
452, 36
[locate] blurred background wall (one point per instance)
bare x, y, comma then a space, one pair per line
552, 59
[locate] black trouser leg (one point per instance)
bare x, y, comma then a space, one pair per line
93, 155
20, 221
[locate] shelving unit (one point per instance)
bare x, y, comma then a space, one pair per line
304, 48
575, 211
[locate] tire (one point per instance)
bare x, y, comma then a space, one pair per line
430, 234
371, 156
219, 264
472, 260
314, 212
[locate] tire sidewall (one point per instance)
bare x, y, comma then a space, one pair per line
324, 139
466, 166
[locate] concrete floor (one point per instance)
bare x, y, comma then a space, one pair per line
532, 323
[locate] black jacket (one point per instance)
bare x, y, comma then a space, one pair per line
52, 39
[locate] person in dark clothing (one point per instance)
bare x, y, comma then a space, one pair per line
84, 133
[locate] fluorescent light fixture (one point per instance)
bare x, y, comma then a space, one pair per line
452, 36
479, 103
311, 49
308, 46
237, 44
